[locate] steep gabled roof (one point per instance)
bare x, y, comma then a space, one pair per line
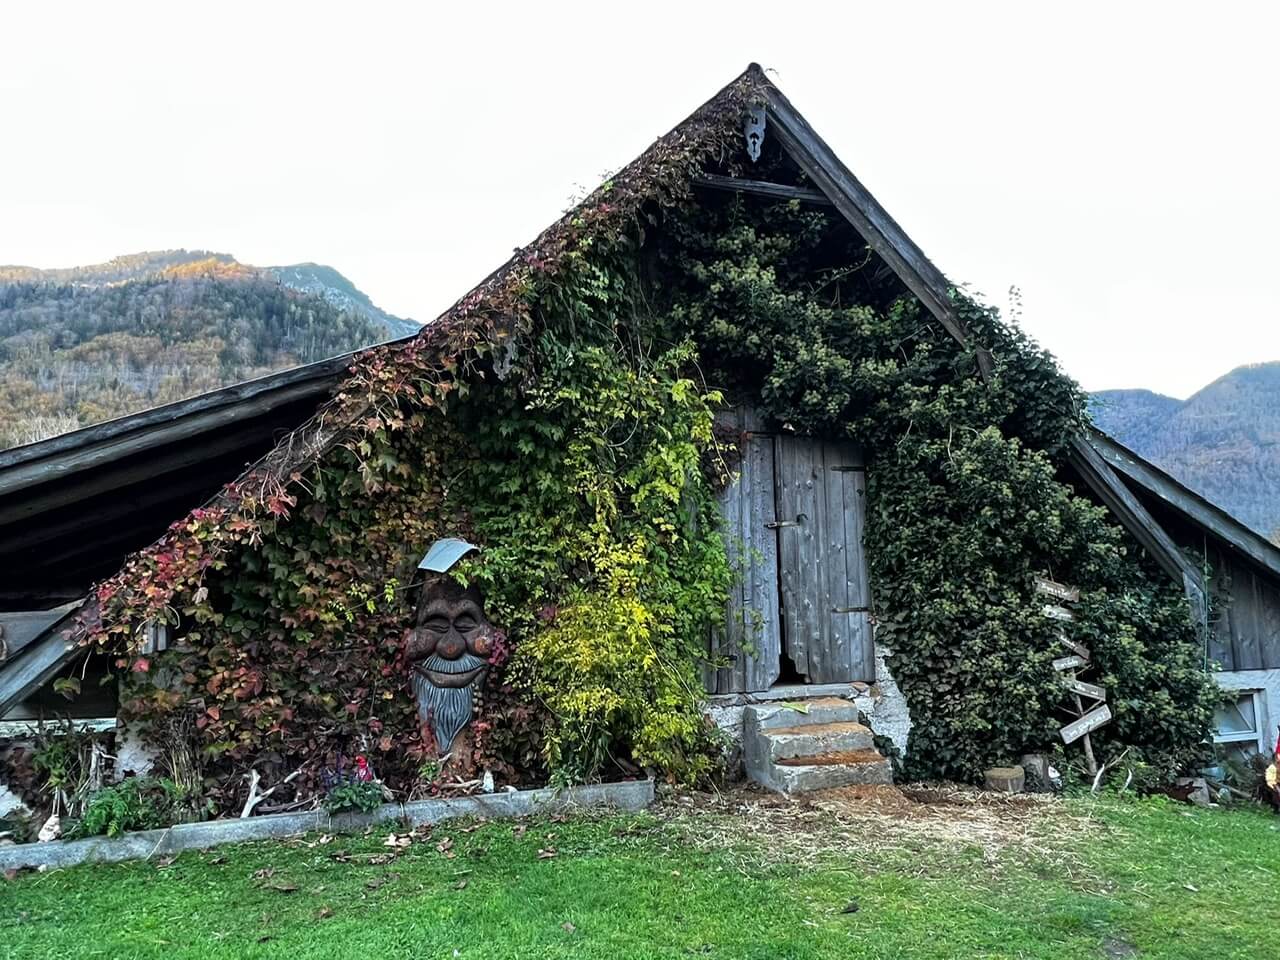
135, 474
489, 315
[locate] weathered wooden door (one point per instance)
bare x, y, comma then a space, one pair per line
821, 501
794, 520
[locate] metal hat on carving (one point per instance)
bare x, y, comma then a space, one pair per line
445, 553
448, 653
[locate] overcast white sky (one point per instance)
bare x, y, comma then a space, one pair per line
1117, 162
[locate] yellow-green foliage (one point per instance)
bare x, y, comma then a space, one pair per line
607, 670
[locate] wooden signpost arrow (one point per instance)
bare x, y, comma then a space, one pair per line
1090, 721
1084, 689
1079, 659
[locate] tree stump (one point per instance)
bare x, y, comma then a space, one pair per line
1006, 779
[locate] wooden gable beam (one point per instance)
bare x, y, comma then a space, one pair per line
872, 221
1134, 517
762, 188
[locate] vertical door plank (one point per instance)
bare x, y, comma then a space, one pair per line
763, 627
798, 558
833, 566
752, 631
862, 663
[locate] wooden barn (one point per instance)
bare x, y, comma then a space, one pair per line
802, 620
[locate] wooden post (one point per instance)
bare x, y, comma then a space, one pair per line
1088, 743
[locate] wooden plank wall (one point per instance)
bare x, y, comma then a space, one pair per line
753, 633
1245, 631
1244, 616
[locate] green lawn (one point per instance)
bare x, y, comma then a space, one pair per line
744, 876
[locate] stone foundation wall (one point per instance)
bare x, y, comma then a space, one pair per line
881, 702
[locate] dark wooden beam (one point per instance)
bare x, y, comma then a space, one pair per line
1134, 517
775, 191
21, 627
872, 221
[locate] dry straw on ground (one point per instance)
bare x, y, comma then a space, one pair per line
919, 828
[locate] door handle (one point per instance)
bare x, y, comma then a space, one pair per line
776, 524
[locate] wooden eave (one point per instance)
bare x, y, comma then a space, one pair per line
1194, 508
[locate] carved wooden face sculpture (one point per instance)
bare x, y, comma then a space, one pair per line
448, 651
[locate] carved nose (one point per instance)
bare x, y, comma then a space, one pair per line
451, 647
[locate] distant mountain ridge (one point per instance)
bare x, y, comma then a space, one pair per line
1223, 442
313, 278
84, 344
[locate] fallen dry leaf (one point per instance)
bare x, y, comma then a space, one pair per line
445, 845
324, 914
568, 927
518, 830
461, 884
264, 874
546, 853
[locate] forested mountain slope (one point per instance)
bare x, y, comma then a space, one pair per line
86, 344
1223, 442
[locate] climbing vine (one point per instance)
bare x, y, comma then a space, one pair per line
561, 416
966, 502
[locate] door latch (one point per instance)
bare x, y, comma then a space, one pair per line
776, 524
850, 609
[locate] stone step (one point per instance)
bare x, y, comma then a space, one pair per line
817, 712
842, 769
811, 740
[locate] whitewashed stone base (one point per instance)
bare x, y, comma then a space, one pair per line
11, 803
133, 755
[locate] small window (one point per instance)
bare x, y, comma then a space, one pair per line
1238, 721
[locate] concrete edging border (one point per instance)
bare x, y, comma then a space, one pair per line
145, 844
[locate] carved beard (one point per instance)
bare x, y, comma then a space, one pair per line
447, 709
